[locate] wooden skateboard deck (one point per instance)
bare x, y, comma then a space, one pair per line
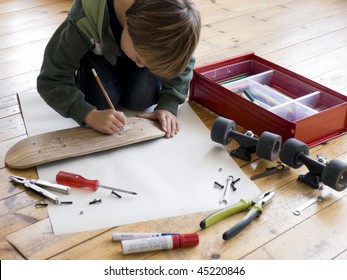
78, 141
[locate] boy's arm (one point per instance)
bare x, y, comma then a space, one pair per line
56, 81
175, 91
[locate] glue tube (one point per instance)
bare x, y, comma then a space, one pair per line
159, 243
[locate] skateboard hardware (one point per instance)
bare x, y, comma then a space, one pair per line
307, 204
229, 185
279, 168
95, 201
66, 202
39, 205
219, 186
77, 181
233, 183
314, 176
267, 146
116, 194
322, 159
295, 154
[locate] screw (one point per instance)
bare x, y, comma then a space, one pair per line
37, 205
66, 202
116, 194
95, 201
234, 182
217, 185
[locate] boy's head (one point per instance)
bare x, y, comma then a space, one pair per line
164, 34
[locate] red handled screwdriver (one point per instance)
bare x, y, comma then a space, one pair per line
77, 181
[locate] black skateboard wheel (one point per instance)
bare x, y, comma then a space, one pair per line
335, 175
291, 151
269, 145
221, 129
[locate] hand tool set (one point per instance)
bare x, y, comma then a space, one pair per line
65, 181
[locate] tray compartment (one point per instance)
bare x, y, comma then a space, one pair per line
320, 101
293, 111
226, 73
258, 87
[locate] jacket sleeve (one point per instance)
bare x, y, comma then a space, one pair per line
175, 91
56, 81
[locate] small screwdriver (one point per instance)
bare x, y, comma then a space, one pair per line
77, 181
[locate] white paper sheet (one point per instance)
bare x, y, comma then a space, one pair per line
171, 176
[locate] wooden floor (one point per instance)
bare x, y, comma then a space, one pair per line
306, 36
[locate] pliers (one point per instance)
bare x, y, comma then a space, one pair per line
40, 186
255, 210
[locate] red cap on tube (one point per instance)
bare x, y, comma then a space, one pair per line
185, 240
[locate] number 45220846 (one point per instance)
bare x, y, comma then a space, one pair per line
211, 270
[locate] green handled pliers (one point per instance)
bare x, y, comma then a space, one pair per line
255, 209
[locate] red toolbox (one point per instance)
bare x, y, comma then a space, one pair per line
262, 96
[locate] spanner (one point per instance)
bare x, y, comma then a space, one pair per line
307, 204
230, 181
271, 170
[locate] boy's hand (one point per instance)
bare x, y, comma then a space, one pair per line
105, 121
168, 121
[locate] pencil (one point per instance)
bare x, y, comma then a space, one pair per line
233, 79
103, 89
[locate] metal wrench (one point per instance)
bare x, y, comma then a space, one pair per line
271, 170
307, 204
230, 181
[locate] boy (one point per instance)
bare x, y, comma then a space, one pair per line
142, 50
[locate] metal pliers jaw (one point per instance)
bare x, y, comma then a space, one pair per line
43, 184
40, 186
264, 198
255, 209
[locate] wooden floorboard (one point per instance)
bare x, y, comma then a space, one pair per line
305, 36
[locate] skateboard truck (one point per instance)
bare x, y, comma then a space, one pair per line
267, 146
295, 154
248, 144
316, 168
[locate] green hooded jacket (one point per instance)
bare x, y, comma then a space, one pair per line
87, 28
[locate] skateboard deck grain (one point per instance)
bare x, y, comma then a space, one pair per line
78, 141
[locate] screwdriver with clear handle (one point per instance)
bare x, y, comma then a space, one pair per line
77, 181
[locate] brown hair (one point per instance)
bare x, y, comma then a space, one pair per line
165, 34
